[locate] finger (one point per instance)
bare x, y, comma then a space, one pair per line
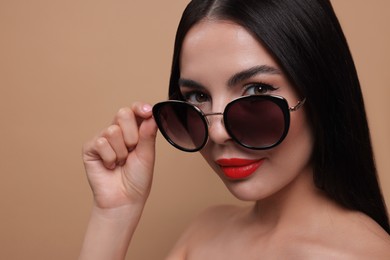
114, 136
129, 119
106, 153
147, 139
126, 119
142, 111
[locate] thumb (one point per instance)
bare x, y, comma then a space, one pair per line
147, 139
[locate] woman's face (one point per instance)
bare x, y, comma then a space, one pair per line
212, 53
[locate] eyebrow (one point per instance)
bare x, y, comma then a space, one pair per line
190, 83
251, 72
236, 78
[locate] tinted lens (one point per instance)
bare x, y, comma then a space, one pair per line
257, 122
181, 124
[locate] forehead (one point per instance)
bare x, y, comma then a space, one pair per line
222, 44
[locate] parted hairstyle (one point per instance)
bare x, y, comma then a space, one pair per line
306, 39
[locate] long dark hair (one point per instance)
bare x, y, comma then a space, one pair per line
306, 39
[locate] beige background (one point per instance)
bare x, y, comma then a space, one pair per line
67, 66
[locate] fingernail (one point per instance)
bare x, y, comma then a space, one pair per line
146, 108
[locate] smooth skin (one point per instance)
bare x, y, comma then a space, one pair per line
290, 219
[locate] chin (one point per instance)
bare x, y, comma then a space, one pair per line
246, 191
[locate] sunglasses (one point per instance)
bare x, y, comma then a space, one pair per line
256, 122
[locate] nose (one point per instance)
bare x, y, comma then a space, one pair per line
217, 130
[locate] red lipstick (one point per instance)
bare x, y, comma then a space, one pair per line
237, 168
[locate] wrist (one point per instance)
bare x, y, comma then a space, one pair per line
117, 213
110, 231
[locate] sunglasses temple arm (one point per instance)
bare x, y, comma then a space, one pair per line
298, 105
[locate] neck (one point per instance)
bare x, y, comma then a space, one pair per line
295, 204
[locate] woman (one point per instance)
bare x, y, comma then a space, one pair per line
273, 103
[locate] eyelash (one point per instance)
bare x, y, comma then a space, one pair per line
187, 96
265, 88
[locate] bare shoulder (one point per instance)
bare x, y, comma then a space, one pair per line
367, 237
353, 235
206, 224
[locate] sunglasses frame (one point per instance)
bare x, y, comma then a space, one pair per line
280, 101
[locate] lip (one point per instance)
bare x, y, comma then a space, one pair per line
238, 168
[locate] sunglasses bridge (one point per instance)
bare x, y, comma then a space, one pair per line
205, 115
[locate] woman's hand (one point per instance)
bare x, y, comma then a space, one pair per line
119, 161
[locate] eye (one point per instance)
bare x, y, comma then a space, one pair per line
196, 97
258, 89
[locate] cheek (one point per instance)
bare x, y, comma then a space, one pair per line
209, 156
206, 154
296, 150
